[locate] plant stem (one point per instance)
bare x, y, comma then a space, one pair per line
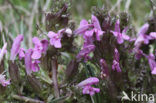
26, 99
54, 77
92, 99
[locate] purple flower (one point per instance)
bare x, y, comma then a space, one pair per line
55, 39
153, 35
154, 71
88, 81
104, 68
88, 38
97, 28
30, 64
16, 47
142, 37
96, 23
28, 61
86, 86
40, 46
3, 81
116, 65
84, 26
121, 36
89, 29
3, 51
35, 67
85, 52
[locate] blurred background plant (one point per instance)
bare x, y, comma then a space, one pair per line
37, 17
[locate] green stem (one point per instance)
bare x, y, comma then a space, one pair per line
92, 99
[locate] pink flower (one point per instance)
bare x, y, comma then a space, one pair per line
40, 46
89, 29
3, 51
30, 64
16, 47
121, 36
3, 81
89, 81
116, 65
84, 53
97, 28
154, 71
86, 86
84, 26
142, 37
55, 38
153, 35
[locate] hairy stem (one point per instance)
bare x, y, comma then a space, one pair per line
26, 99
54, 77
92, 99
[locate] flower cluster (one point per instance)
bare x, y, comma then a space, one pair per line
92, 32
121, 36
88, 31
31, 55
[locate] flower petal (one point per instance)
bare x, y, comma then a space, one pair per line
28, 61
57, 43
89, 33
117, 26
120, 39
96, 23
51, 34
89, 81
36, 41
126, 37
21, 53
114, 33
82, 29
36, 54
98, 33
154, 71
16, 46
143, 29
3, 51
83, 22
153, 35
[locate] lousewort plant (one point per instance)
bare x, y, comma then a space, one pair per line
98, 61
